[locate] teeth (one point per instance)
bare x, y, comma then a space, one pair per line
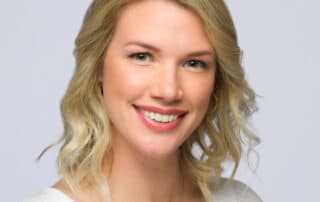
165, 118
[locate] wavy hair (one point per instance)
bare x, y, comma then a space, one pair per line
87, 139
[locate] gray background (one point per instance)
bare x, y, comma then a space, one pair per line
280, 43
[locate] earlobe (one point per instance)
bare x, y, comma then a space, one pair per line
100, 86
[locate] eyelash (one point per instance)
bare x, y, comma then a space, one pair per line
135, 56
203, 64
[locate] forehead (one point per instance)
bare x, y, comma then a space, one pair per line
161, 23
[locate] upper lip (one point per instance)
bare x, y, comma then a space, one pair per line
171, 111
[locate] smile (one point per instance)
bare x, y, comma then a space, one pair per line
160, 119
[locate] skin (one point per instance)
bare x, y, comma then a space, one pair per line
150, 61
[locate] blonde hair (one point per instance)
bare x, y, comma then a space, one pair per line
87, 138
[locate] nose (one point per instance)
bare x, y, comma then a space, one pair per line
166, 85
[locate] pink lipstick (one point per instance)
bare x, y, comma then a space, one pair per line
160, 119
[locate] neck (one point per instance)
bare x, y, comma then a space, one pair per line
144, 178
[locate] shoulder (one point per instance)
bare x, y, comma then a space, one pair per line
49, 195
230, 190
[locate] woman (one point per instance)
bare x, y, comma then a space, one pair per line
154, 79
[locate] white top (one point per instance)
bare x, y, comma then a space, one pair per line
227, 191
49, 195
233, 191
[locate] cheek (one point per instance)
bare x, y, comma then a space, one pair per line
121, 81
199, 92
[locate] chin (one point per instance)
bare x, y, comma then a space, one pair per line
159, 151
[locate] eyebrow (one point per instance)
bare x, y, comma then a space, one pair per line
192, 54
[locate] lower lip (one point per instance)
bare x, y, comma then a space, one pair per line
158, 126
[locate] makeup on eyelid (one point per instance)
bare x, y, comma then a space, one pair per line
168, 74
204, 63
145, 47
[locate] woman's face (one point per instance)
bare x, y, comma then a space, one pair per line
158, 75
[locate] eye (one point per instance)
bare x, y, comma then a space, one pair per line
196, 64
143, 57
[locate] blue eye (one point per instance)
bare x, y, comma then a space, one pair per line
144, 57
196, 64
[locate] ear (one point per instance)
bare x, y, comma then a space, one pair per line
100, 77
101, 68
100, 74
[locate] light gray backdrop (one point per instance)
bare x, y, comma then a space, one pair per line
281, 57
